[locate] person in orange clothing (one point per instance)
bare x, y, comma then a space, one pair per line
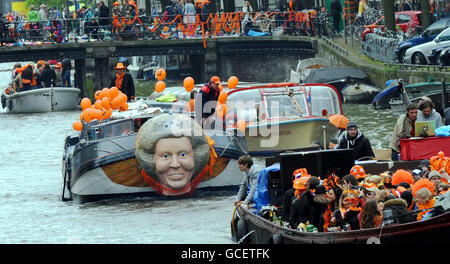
424, 200
123, 81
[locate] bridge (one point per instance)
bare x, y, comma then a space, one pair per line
209, 51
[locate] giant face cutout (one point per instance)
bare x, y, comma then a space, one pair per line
172, 151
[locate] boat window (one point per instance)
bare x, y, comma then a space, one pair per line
242, 104
324, 98
118, 128
280, 105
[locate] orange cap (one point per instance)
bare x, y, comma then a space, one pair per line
120, 66
215, 79
300, 183
401, 175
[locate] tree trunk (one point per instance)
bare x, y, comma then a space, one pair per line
426, 15
389, 16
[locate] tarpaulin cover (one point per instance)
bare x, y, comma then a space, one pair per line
261, 196
424, 148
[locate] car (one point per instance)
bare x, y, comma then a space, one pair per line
428, 35
444, 57
420, 54
435, 55
404, 19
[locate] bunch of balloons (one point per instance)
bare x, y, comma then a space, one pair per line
106, 100
160, 84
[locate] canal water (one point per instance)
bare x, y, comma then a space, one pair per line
31, 210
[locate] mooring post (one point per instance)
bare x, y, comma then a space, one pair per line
80, 76
444, 95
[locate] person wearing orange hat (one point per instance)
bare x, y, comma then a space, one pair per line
298, 187
123, 81
359, 172
301, 208
206, 103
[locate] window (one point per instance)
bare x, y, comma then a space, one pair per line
436, 27
403, 19
281, 105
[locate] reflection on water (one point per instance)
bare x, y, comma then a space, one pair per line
31, 210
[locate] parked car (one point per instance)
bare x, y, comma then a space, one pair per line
404, 19
428, 35
444, 57
433, 58
420, 54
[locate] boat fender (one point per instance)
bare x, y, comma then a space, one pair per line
241, 227
10, 105
3, 101
276, 239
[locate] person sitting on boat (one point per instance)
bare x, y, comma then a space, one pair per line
302, 208
427, 112
371, 215
249, 182
28, 78
333, 195
354, 139
48, 76
300, 177
349, 182
123, 81
425, 202
206, 100
404, 128
346, 216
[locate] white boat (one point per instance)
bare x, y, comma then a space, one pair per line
135, 66
278, 123
304, 67
41, 100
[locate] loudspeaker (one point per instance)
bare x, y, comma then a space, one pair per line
275, 190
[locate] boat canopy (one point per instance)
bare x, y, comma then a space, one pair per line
326, 75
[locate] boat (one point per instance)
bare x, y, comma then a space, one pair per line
415, 91
251, 225
107, 159
304, 68
359, 93
135, 67
275, 121
149, 68
41, 100
340, 77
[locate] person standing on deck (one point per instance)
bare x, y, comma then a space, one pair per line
404, 128
354, 139
123, 81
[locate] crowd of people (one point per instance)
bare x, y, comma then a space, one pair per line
358, 200
42, 74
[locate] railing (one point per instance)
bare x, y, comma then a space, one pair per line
428, 68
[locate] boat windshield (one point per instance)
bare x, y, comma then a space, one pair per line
323, 98
113, 129
281, 105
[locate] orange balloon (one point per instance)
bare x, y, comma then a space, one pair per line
233, 82
106, 103
85, 103
220, 87
97, 95
241, 125
222, 97
123, 107
87, 114
123, 98
116, 102
113, 92
98, 114
98, 104
77, 125
107, 113
160, 86
221, 110
104, 93
160, 74
188, 83
81, 116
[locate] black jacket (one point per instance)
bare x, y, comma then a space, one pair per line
206, 94
306, 209
360, 144
104, 15
288, 198
66, 64
351, 218
399, 210
127, 85
48, 77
